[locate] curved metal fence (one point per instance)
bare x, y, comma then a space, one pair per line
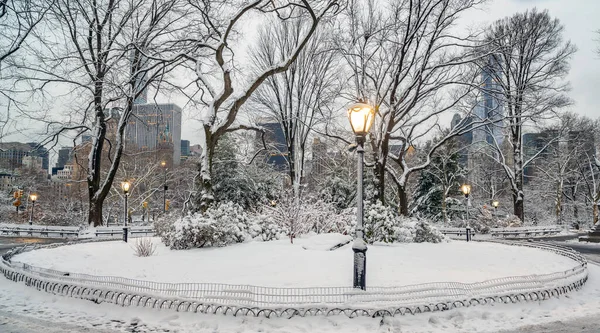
267, 301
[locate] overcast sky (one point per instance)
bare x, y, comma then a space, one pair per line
580, 19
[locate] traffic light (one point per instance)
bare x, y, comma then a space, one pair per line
167, 203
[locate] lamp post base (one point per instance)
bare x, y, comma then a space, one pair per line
360, 264
125, 234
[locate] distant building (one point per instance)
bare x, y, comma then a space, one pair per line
64, 156
66, 173
33, 162
196, 150
319, 158
12, 154
156, 127
488, 108
185, 147
541, 144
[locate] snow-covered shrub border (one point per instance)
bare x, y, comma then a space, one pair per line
228, 223
122, 291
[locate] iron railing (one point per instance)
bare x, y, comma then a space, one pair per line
255, 300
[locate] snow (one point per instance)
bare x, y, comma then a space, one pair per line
34, 309
281, 264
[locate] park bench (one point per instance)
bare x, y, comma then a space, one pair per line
111, 231
458, 232
524, 231
38, 230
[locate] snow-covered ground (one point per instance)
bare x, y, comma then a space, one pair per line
34, 310
305, 263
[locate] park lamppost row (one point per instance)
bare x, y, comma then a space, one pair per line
163, 164
466, 190
125, 187
33, 198
361, 118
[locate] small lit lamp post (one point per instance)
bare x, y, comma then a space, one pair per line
466, 190
495, 204
125, 187
163, 164
33, 198
361, 118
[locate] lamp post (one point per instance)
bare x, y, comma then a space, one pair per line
163, 164
466, 190
33, 198
125, 187
361, 118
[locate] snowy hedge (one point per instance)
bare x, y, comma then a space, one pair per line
229, 223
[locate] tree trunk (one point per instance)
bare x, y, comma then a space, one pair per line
518, 206
444, 212
204, 196
595, 204
379, 175
403, 197
95, 212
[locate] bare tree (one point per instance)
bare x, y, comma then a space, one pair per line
108, 53
532, 60
405, 59
293, 98
221, 101
18, 19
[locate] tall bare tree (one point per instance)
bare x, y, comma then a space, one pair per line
405, 58
105, 53
222, 95
532, 61
293, 98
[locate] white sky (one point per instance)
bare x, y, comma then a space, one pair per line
578, 16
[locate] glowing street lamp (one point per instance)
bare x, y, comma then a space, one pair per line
125, 187
362, 117
495, 204
33, 197
466, 190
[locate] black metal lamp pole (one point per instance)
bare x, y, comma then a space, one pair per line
361, 116
360, 246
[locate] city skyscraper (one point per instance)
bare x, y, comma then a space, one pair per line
489, 107
156, 127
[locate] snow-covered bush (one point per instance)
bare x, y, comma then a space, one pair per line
263, 227
223, 224
380, 222
425, 233
482, 220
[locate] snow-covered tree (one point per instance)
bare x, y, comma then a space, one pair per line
223, 88
295, 97
405, 58
105, 54
439, 181
532, 60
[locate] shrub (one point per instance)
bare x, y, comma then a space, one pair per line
221, 225
144, 247
425, 233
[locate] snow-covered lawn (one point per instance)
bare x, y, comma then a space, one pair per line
303, 264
